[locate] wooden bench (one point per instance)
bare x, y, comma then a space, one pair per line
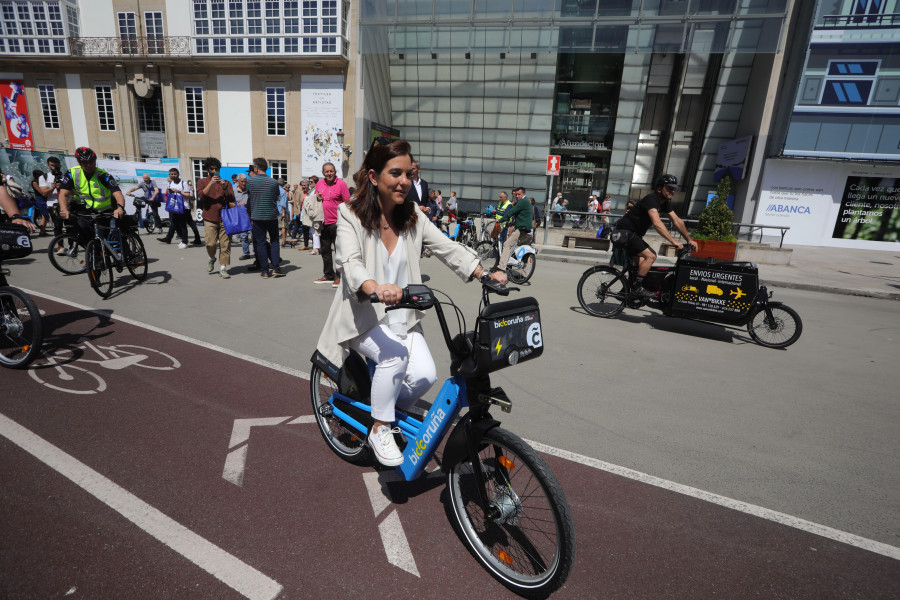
585, 241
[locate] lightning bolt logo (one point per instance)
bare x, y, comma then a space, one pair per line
498, 346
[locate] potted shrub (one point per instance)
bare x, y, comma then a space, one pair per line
714, 233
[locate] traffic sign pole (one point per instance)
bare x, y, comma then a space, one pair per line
553, 163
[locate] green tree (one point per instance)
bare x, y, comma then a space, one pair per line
717, 220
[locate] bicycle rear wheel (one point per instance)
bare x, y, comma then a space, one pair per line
67, 254
527, 538
487, 254
135, 256
343, 440
99, 268
21, 335
602, 291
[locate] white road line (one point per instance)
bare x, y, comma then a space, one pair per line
395, 544
220, 564
744, 507
751, 509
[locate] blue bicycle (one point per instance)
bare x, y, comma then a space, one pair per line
510, 509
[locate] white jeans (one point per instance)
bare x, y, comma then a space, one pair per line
405, 369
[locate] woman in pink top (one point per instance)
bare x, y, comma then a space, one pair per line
331, 191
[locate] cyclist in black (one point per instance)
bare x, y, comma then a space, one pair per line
91, 187
638, 220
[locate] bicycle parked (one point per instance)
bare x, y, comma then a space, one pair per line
21, 334
726, 293
509, 507
113, 248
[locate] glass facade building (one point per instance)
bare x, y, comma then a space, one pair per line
623, 90
848, 100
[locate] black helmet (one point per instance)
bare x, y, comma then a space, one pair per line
667, 181
85, 154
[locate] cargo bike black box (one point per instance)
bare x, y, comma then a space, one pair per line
718, 291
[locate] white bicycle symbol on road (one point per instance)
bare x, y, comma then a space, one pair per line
58, 372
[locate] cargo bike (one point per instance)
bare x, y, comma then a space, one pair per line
725, 293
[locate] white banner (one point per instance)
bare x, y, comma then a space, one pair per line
806, 196
322, 110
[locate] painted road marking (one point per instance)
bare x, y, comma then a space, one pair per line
236, 460
751, 509
220, 564
744, 507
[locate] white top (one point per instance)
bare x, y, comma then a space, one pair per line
47, 181
182, 187
396, 272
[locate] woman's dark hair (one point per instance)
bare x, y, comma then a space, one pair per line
212, 162
365, 204
37, 174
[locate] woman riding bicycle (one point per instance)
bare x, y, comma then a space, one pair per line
380, 235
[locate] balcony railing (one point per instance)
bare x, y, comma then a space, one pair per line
136, 46
844, 21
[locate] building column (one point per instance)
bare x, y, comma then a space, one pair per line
126, 117
170, 113
635, 73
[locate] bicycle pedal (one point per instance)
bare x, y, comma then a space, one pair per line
497, 397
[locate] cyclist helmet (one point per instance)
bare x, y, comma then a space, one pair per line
667, 181
85, 154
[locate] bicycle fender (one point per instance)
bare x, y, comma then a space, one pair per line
457, 447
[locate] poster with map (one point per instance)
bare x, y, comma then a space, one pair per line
322, 117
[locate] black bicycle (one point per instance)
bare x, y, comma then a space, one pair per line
21, 335
113, 248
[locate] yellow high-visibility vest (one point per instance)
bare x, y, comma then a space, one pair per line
90, 191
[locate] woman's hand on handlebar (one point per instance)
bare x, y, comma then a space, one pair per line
388, 293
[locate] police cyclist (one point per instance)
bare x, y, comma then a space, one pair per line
96, 189
638, 220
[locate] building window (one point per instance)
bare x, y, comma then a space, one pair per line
275, 111
111, 156
309, 45
153, 26
291, 45
150, 113
310, 26
48, 106
292, 25
853, 68
329, 44
103, 94
272, 45
202, 46
849, 82
28, 46
14, 45
254, 45
9, 17
197, 169
193, 97
25, 19
309, 8
237, 26
219, 46
43, 46
329, 25
71, 17
235, 9
329, 8
291, 8
237, 46
279, 170
128, 32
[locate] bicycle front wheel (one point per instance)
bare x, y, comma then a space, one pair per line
21, 335
782, 330
99, 268
135, 256
527, 538
343, 440
67, 254
602, 291
522, 273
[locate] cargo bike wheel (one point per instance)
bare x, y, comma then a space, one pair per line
780, 331
526, 539
21, 335
602, 291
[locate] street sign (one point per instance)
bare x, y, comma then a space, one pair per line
553, 165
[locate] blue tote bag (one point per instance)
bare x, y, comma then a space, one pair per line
174, 203
236, 220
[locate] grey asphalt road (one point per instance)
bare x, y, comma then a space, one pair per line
811, 431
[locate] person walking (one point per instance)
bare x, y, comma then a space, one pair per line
264, 193
215, 194
332, 192
240, 199
313, 209
301, 198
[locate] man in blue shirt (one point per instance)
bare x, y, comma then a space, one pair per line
264, 193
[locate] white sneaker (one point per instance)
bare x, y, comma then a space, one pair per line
182, 246
386, 450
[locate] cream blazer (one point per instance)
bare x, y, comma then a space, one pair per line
358, 258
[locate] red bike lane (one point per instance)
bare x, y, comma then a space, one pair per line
200, 475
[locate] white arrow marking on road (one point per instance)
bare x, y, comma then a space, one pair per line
393, 537
240, 434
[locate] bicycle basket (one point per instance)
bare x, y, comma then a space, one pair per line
14, 241
508, 333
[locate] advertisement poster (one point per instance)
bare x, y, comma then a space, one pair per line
128, 174
797, 194
731, 158
322, 107
869, 210
718, 294
15, 113
382, 134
